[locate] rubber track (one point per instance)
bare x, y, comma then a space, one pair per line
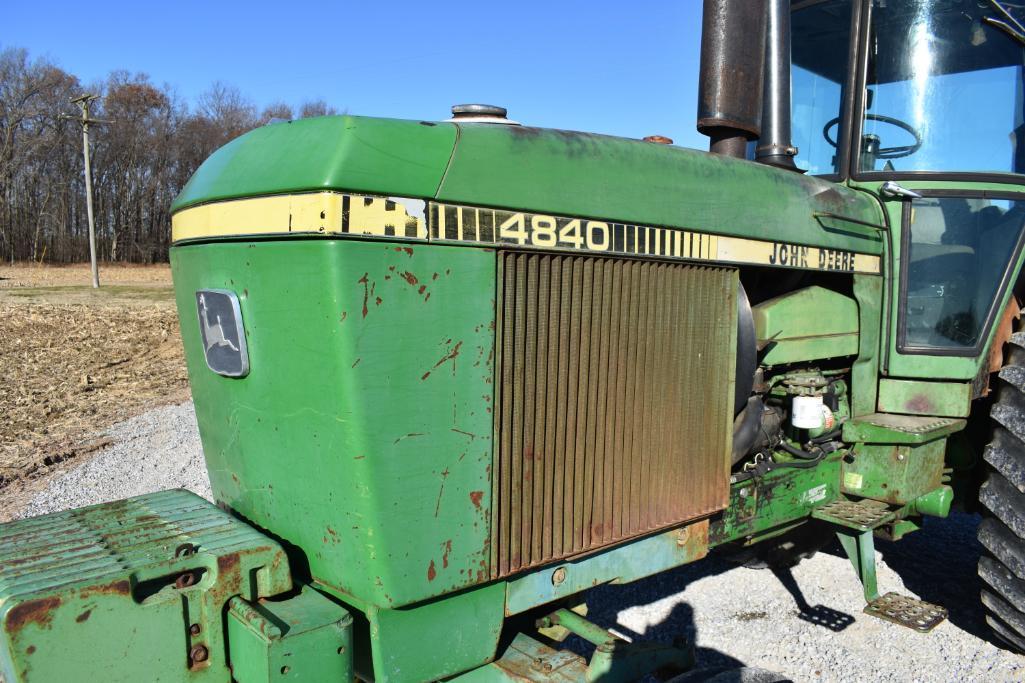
1002, 533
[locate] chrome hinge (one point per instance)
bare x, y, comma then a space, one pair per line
895, 191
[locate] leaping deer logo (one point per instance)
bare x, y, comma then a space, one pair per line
213, 333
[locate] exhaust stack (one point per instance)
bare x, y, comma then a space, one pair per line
776, 147
730, 86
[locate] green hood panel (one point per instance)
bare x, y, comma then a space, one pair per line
617, 179
377, 156
545, 171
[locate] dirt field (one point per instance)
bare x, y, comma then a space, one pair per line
74, 360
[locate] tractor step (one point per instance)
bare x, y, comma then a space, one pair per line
916, 614
900, 429
859, 519
861, 515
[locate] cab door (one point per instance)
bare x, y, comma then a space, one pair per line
957, 254
938, 135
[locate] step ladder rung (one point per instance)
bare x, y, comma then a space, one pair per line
863, 515
900, 609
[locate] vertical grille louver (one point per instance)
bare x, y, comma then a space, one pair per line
614, 397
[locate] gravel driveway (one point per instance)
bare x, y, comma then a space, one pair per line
806, 623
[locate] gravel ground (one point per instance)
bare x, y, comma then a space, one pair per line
806, 623
156, 450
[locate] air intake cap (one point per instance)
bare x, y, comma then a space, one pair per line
480, 113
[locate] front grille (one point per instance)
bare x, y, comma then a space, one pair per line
614, 399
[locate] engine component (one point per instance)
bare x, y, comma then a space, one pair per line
758, 427
808, 324
806, 412
747, 351
732, 42
746, 428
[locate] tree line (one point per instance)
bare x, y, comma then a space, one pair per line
152, 142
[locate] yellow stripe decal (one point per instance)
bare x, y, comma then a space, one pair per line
395, 217
318, 213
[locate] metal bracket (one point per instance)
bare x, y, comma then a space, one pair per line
614, 659
860, 549
749, 510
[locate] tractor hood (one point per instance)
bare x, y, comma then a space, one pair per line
540, 170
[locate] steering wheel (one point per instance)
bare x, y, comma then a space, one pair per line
885, 152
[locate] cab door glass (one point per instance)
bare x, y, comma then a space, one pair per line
957, 253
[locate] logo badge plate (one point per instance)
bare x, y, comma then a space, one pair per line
224, 337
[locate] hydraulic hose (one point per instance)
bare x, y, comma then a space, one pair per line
823, 438
800, 453
746, 427
763, 468
807, 459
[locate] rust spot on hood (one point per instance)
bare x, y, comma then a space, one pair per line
38, 612
365, 281
450, 356
475, 498
120, 587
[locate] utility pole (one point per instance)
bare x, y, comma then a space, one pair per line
83, 102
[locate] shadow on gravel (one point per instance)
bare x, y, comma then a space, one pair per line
819, 615
939, 564
605, 603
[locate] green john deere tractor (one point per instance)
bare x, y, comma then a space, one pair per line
449, 375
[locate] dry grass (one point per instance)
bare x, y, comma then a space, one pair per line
74, 360
33, 275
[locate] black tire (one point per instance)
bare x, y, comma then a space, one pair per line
1002, 495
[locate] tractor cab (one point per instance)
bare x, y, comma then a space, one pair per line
922, 102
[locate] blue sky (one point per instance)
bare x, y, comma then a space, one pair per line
623, 68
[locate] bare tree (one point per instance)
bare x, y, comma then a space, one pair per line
229, 110
141, 160
313, 108
30, 138
277, 111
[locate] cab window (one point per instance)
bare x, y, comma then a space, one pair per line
821, 33
957, 251
944, 90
